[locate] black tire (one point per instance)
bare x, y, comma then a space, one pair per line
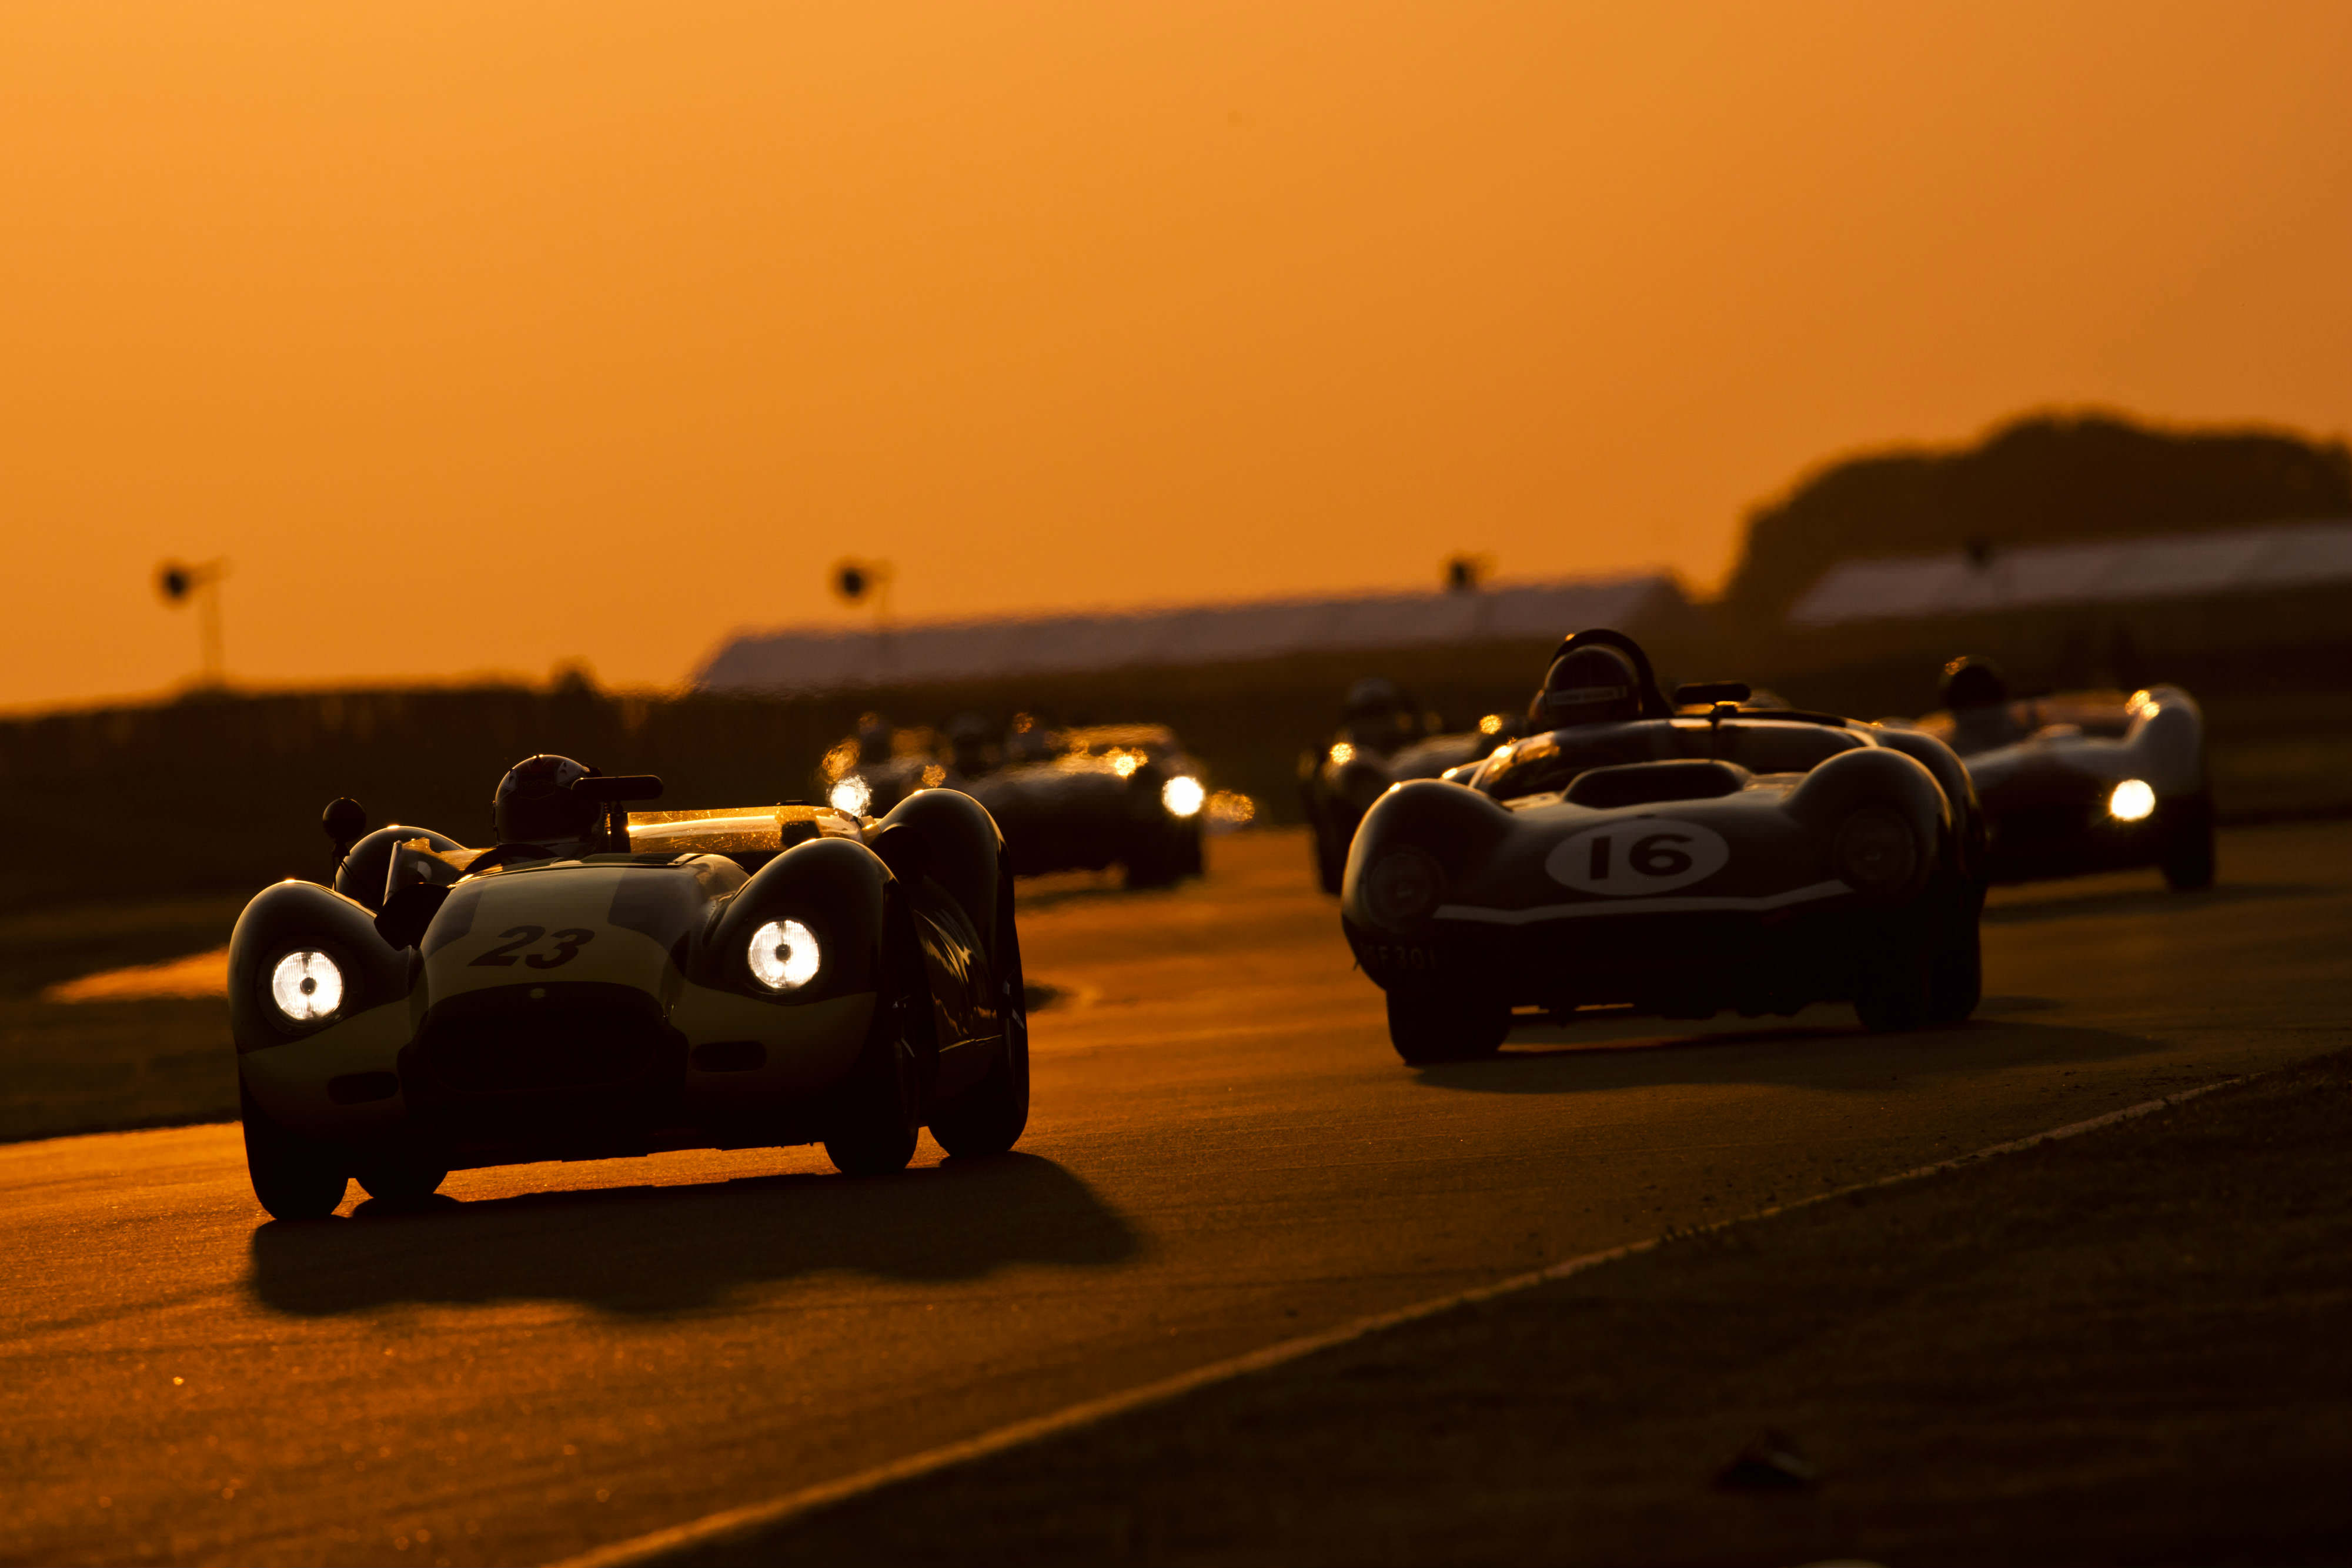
1432, 1029
1957, 985
2188, 856
877, 1111
402, 1179
1151, 863
295, 1178
1331, 854
1195, 856
988, 1118
1898, 981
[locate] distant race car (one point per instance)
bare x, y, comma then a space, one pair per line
1069, 800
1750, 859
605, 982
1381, 741
2083, 781
881, 765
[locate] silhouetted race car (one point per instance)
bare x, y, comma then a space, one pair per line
605, 982
1750, 860
1381, 741
2083, 781
881, 765
1126, 794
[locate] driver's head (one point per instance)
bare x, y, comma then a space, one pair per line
1972, 683
874, 734
535, 805
1592, 685
971, 744
1379, 715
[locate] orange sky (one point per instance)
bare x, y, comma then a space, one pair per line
480, 337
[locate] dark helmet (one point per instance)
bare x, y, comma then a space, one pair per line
1595, 685
972, 744
1973, 683
1374, 696
874, 733
535, 804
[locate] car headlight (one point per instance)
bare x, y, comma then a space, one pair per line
1874, 850
784, 954
1403, 886
1183, 795
307, 986
852, 794
2131, 801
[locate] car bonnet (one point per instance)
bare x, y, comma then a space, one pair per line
612, 924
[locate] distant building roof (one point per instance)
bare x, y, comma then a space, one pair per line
829, 659
2163, 565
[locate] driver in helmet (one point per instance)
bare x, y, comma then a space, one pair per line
1976, 695
1594, 683
536, 807
1378, 717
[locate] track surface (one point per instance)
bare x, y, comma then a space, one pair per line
1224, 1153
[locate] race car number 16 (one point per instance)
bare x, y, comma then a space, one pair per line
1649, 854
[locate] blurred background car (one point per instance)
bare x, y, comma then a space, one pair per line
1384, 738
2081, 781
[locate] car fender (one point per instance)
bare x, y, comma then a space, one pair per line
293, 915
962, 849
1882, 776
1951, 776
2167, 741
1457, 827
834, 885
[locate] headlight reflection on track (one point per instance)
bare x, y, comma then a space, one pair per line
2131, 801
1183, 795
307, 987
784, 954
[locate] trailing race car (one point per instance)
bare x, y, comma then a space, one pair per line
1126, 795
881, 765
605, 982
1381, 741
2083, 781
1747, 859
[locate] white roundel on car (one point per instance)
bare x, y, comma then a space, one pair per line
1644, 855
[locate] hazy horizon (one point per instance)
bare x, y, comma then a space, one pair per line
487, 342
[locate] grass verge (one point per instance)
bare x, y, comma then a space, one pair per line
2130, 1346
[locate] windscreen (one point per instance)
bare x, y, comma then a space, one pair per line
725, 829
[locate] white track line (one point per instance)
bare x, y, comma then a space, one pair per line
730, 1523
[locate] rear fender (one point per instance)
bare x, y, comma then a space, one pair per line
1951, 776
962, 849
293, 916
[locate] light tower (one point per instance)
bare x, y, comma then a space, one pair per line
180, 583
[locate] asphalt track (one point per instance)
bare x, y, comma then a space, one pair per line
1224, 1153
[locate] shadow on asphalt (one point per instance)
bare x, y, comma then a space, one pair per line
2154, 899
1798, 1055
661, 1249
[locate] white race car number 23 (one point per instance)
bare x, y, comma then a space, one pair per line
1648, 854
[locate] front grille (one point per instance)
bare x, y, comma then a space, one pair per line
540, 1051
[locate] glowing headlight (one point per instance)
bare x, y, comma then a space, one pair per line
1342, 753
1123, 764
1875, 852
1403, 886
784, 954
307, 987
2131, 801
852, 794
1183, 795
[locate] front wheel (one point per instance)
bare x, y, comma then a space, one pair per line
988, 1117
1432, 1029
294, 1177
878, 1109
1897, 988
2188, 857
